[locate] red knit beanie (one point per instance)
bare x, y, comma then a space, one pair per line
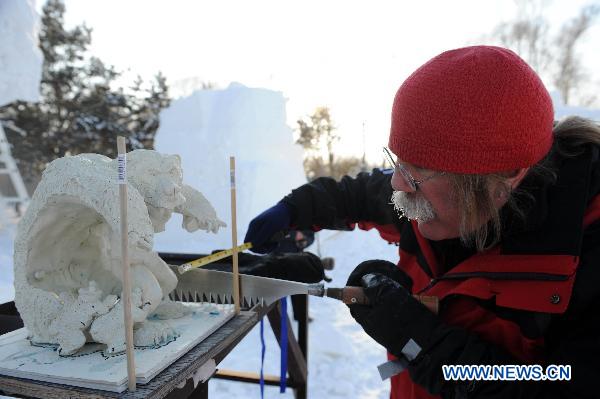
472, 110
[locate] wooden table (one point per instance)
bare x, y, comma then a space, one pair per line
166, 384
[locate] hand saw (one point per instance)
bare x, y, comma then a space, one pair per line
201, 285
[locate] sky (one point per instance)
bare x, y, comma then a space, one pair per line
348, 55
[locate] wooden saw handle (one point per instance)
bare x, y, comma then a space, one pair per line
355, 295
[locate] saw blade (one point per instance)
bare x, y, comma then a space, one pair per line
201, 285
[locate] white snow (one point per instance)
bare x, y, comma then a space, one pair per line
20, 58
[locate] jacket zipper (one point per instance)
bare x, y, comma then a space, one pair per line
496, 276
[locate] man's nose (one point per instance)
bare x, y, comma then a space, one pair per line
399, 183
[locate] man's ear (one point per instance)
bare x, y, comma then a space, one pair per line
512, 179
515, 177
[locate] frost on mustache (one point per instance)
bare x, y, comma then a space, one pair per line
67, 264
412, 206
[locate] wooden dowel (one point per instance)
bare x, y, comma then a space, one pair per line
122, 179
236, 275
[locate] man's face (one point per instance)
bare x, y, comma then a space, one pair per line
432, 204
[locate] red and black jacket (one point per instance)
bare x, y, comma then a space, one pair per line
535, 298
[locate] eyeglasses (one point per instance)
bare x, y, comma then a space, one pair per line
411, 181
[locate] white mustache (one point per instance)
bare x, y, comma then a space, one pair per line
413, 206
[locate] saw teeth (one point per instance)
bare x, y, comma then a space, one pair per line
175, 296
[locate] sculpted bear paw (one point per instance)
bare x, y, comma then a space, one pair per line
76, 316
154, 333
170, 310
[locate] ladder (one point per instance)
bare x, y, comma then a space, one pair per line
8, 167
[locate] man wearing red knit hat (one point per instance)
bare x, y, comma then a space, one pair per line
496, 212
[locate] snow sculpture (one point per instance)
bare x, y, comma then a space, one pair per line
67, 250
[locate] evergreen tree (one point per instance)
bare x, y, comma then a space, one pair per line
80, 110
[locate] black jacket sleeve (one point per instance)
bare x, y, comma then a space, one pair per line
330, 204
572, 338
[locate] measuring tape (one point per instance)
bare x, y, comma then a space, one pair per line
212, 258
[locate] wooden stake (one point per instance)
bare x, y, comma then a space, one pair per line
122, 179
236, 275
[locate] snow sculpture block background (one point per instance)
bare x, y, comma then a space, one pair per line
208, 127
20, 57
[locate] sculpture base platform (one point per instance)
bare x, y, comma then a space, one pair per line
91, 369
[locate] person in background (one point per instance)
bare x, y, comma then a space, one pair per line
496, 211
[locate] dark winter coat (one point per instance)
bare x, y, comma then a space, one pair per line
535, 298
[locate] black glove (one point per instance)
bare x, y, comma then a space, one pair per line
382, 267
394, 317
304, 267
263, 227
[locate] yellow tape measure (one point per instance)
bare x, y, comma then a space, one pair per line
211, 258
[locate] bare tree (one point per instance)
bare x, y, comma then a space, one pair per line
570, 73
528, 34
554, 57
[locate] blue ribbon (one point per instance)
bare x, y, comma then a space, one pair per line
262, 359
284, 345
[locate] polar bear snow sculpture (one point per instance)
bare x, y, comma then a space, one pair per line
67, 249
